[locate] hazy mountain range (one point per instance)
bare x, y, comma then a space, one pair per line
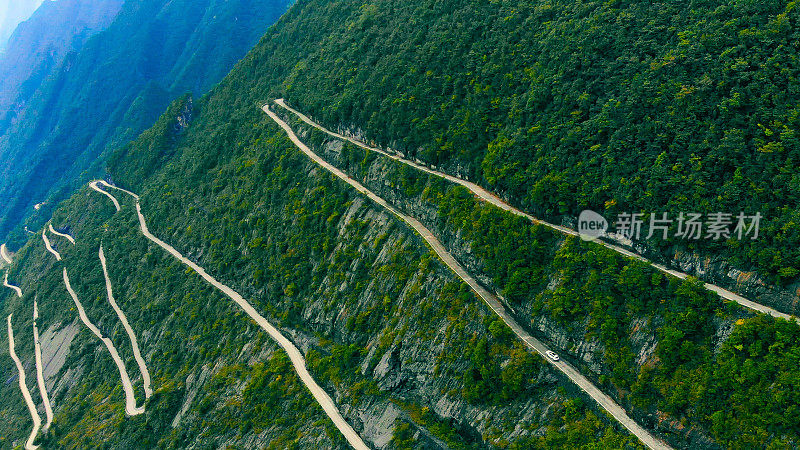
12, 12
86, 75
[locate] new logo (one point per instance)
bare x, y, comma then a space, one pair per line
591, 225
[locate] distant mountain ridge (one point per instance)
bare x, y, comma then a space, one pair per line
40, 44
12, 12
113, 87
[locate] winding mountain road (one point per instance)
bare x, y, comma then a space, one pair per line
26, 394
298, 361
48, 409
58, 233
49, 246
582, 382
94, 186
11, 286
4, 254
489, 197
137, 354
130, 401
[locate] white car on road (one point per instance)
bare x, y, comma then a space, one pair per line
552, 355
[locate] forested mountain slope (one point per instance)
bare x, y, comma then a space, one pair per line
358, 292
668, 349
411, 356
618, 107
115, 86
349, 284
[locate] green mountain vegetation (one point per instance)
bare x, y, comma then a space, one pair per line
621, 106
706, 355
350, 283
617, 106
111, 88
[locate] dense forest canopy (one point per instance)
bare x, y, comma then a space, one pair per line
618, 106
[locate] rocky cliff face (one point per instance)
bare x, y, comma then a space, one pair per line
748, 284
709, 268
716, 270
386, 329
418, 359
572, 340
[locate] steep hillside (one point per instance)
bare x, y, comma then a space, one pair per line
115, 86
668, 349
412, 357
356, 290
385, 327
619, 107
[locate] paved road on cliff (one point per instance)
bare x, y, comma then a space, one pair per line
37, 352
137, 354
26, 393
297, 359
11, 286
4, 254
582, 382
130, 400
489, 197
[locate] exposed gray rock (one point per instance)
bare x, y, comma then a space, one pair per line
378, 422
55, 342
